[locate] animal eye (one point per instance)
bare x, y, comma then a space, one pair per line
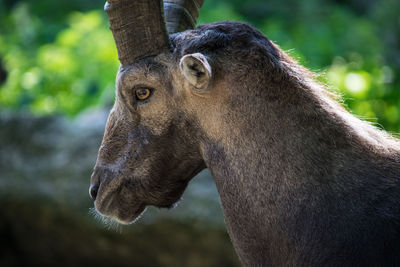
142, 93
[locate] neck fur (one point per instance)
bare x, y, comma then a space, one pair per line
288, 163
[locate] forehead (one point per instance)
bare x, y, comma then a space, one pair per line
147, 70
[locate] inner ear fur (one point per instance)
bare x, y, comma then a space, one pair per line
196, 69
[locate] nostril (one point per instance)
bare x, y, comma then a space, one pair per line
93, 191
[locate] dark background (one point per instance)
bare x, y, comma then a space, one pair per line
57, 69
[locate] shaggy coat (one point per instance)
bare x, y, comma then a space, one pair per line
302, 181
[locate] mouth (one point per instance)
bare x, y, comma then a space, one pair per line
114, 208
121, 216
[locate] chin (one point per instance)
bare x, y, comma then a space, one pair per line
125, 214
126, 220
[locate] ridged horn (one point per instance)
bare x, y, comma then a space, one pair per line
138, 28
181, 15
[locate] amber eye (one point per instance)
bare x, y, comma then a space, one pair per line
142, 93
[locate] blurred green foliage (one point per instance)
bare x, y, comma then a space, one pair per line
73, 71
60, 57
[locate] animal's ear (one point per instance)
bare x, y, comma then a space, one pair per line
196, 70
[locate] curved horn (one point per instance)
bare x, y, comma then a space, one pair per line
138, 28
181, 15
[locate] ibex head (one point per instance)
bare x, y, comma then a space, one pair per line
148, 153
174, 92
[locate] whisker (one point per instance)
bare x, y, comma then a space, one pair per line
106, 222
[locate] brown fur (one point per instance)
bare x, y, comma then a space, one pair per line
302, 181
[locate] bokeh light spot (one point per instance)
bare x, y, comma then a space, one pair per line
355, 83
